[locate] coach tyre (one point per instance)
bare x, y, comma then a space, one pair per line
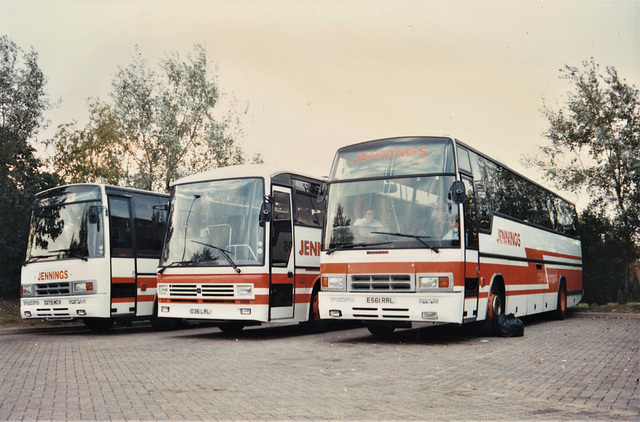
98, 325
231, 327
495, 307
314, 324
381, 330
561, 309
315, 310
163, 324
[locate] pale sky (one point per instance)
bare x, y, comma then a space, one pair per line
318, 75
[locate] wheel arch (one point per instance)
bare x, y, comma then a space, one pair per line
313, 323
562, 282
313, 298
497, 281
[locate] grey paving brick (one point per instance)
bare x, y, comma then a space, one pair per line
582, 368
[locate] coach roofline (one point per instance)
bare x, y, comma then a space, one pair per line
240, 171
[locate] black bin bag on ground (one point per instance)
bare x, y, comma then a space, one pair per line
509, 326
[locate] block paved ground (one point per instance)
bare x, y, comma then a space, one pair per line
582, 368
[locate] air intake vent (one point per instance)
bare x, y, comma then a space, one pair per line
382, 283
202, 290
53, 289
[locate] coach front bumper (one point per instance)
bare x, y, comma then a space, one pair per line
444, 307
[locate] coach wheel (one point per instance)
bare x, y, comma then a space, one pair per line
495, 304
164, 324
315, 308
495, 307
98, 325
561, 308
381, 330
231, 327
314, 324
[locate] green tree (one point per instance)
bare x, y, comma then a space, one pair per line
22, 104
604, 267
169, 119
94, 153
162, 124
595, 145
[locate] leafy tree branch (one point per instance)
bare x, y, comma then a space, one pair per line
595, 145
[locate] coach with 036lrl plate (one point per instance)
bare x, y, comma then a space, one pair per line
242, 248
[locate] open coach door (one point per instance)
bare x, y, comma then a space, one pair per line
472, 263
123, 264
282, 267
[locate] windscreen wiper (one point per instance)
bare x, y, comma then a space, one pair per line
72, 252
354, 245
180, 263
413, 236
224, 252
35, 258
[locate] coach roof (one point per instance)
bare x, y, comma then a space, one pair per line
238, 171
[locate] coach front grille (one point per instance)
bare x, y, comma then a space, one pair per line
382, 283
53, 289
204, 291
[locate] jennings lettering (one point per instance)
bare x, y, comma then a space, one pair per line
391, 153
309, 248
508, 238
53, 275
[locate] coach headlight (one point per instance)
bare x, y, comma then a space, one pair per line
27, 290
334, 282
427, 282
434, 282
84, 287
244, 290
163, 289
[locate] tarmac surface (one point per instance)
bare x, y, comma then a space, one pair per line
586, 367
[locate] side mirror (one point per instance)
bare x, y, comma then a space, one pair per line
388, 187
266, 213
94, 214
457, 192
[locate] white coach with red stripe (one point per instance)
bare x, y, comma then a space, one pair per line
427, 229
242, 247
92, 254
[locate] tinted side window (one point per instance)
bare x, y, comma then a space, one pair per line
538, 210
463, 160
307, 211
121, 240
501, 191
148, 238
470, 220
482, 183
567, 217
281, 236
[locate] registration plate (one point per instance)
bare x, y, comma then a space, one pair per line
380, 299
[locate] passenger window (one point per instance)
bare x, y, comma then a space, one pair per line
470, 223
148, 239
308, 211
463, 160
121, 240
281, 236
